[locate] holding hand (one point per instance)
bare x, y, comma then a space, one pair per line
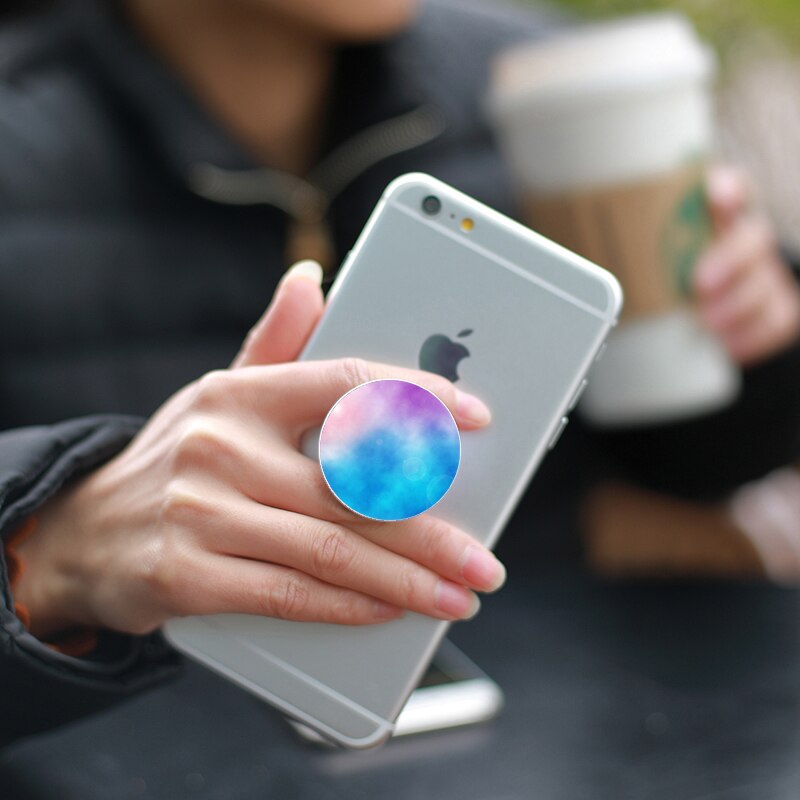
213, 509
744, 289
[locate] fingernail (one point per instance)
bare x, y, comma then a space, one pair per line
723, 186
470, 409
383, 610
482, 570
304, 269
456, 601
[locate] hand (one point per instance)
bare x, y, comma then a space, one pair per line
213, 509
745, 291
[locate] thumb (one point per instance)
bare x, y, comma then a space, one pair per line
289, 320
728, 195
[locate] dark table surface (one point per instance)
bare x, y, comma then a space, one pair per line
660, 692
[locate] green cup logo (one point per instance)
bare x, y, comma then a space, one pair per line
686, 233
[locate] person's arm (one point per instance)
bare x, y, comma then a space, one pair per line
40, 687
749, 297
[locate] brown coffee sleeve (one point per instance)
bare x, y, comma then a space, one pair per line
648, 233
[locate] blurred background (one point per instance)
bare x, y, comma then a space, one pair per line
758, 90
729, 23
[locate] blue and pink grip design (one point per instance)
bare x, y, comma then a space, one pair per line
389, 449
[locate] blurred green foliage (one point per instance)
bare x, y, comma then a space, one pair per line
729, 24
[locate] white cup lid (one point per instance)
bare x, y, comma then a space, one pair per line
639, 52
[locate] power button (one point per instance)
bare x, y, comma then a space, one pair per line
577, 395
557, 434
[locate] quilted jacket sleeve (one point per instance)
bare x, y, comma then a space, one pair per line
39, 687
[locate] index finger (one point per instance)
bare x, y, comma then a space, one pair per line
308, 389
728, 195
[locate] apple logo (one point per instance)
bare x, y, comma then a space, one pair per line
441, 354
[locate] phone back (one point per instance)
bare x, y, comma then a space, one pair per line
519, 321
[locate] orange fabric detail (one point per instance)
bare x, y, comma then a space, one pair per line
24, 615
13, 561
75, 643
71, 643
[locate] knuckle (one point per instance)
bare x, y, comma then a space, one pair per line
437, 541
201, 443
211, 389
164, 573
356, 370
333, 552
408, 587
287, 599
348, 609
183, 504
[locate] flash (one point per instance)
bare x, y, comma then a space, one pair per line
467, 224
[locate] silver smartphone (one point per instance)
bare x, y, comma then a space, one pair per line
440, 282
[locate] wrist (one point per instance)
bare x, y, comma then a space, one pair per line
51, 583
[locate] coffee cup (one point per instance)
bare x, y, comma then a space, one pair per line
607, 131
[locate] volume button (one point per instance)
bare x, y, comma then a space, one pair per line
557, 435
577, 395
600, 352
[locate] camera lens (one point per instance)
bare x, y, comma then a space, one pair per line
431, 205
